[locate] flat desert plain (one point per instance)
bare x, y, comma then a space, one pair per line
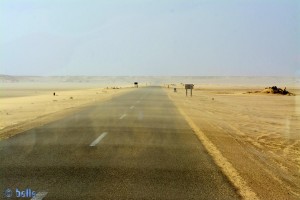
256, 134
28, 105
253, 137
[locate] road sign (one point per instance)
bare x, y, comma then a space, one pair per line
189, 87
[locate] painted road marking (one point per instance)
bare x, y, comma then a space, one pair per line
131, 107
124, 115
98, 139
39, 196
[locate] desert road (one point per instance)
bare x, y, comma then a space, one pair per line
135, 146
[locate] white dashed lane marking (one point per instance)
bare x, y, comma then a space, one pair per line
39, 196
124, 115
98, 139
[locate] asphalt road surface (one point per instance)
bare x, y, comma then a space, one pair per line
135, 146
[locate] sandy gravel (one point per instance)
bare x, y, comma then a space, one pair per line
257, 134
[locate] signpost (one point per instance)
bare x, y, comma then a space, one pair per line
189, 87
136, 84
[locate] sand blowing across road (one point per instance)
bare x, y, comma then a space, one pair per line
258, 133
23, 107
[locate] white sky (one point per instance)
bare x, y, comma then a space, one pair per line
175, 37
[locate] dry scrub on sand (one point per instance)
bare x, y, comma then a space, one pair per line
257, 136
22, 113
274, 90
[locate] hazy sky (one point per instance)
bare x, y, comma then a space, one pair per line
159, 37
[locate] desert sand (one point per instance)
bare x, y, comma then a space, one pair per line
253, 137
23, 107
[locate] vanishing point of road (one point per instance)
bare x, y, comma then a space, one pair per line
135, 146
